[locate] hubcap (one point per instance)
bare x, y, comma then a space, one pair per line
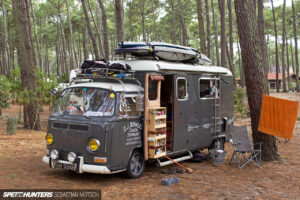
136, 164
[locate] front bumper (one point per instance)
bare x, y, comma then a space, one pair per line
84, 167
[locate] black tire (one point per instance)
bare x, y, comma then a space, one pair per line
136, 165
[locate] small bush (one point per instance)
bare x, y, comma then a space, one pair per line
240, 102
4, 92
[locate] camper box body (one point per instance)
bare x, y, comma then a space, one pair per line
195, 120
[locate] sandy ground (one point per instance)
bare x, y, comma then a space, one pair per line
21, 167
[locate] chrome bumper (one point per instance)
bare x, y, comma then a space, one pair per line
84, 167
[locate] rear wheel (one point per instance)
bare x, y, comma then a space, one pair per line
136, 165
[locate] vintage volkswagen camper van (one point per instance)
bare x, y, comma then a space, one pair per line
121, 114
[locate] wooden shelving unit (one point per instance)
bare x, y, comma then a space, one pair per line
157, 138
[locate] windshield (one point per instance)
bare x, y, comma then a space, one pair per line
86, 102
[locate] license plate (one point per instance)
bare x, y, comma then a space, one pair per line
65, 166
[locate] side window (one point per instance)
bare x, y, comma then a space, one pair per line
204, 88
152, 90
128, 106
181, 89
209, 88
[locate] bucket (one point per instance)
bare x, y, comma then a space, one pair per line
217, 157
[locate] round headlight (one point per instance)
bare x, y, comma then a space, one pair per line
72, 157
94, 144
54, 154
49, 138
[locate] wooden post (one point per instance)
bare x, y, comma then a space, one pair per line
11, 127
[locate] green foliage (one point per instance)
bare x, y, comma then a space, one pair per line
16, 85
45, 87
64, 78
240, 102
4, 92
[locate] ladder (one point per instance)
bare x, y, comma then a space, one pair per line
216, 128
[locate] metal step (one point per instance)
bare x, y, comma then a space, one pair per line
161, 164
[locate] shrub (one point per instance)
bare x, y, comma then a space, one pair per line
240, 102
4, 93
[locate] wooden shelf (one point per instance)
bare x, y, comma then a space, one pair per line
157, 139
156, 117
153, 155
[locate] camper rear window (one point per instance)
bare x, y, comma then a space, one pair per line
181, 89
208, 88
86, 102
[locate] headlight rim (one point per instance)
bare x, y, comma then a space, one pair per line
98, 145
74, 155
51, 137
57, 154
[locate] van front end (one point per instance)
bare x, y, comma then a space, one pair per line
90, 131
80, 146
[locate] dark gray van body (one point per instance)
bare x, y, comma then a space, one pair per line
193, 120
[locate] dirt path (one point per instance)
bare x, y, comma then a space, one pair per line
21, 166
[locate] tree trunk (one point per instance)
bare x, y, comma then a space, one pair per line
292, 55
231, 54
296, 46
130, 20
182, 22
90, 31
252, 63
154, 20
174, 39
119, 14
74, 60
26, 61
215, 33
4, 40
283, 47
262, 41
97, 30
229, 51
36, 38
57, 60
288, 62
207, 29
231, 67
105, 30
223, 32
47, 69
65, 68
84, 45
201, 26
276, 49
143, 20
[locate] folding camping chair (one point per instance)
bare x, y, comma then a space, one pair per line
243, 145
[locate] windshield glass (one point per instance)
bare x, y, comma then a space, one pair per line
86, 102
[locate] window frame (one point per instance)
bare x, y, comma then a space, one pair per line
186, 91
127, 95
208, 78
149, 79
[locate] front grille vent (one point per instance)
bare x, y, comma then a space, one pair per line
60, 125
77, 127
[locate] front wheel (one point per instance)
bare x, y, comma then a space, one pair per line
136, 165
